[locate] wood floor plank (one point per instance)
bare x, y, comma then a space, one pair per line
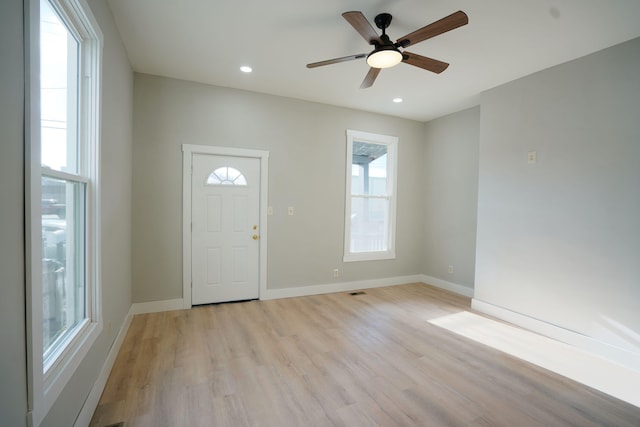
335, 360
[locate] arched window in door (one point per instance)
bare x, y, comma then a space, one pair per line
226, 175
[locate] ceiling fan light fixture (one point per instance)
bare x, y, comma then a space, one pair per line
387, 54
385, 57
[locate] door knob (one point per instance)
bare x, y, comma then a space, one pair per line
255, 237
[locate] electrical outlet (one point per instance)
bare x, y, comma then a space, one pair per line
532, 157
270, 210
336, 273
290, 210
450, 269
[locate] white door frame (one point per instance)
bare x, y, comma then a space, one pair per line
188, 150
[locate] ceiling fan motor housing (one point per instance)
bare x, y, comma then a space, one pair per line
383, 20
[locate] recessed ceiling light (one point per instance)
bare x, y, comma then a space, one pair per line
246, 69
397, 100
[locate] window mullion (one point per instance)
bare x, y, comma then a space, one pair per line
66, 176
370, 196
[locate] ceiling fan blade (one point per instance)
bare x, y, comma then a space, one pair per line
336, 60
423, 62
370, 78
362, 26
448, 23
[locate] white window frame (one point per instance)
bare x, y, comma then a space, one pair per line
45, 383
392, 160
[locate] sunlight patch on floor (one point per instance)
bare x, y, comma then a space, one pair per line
547, 353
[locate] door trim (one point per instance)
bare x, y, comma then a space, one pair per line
188, 150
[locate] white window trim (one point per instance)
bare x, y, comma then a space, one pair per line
392, 149
45, 388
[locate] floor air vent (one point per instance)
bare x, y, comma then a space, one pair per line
357, 293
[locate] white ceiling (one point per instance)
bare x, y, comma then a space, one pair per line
208, 40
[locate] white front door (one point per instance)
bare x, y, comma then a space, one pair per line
225, 214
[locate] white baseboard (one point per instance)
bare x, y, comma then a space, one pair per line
328, 288
91, 403
615, 354
448, 286
157, 306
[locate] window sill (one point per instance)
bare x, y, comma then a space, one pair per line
369, 256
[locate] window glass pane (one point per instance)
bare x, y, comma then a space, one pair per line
369, 224
232, 174
369, 169
63, 260
378, 176
226, 176
240, 180
58, 92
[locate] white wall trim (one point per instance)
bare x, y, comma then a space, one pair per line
325, 288
157, 306
91, 403
615, 354
328, 288
447, 286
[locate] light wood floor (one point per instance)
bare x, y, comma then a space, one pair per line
335, 360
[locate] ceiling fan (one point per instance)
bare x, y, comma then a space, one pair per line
386, 53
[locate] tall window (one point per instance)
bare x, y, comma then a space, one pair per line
371, 203
63, 186
65, 47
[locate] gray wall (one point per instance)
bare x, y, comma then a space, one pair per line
13, 367
306, 170
115, 179
451, 193
559, 240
